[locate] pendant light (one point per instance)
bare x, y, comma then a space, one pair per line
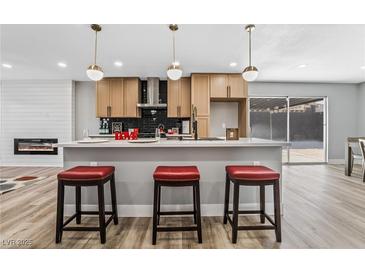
95, 72
174, 71
250, 73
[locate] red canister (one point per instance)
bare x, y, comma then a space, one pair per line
118, 135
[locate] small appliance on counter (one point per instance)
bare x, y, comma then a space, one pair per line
232, 134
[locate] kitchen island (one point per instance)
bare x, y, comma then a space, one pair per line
135, 163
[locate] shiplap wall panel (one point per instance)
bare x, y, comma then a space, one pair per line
36, 109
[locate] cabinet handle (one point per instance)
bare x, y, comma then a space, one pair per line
109, 111
229, 91
179, 111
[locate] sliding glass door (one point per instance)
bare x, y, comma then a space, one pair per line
307, 130
269, 119
299, 120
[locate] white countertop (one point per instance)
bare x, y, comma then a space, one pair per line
242, 142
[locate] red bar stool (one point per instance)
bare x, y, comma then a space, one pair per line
176, 176
85, 176
252, 176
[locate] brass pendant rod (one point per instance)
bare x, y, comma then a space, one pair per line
249, 47
173, 48
96, 46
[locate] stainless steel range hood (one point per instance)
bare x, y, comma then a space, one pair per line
153, 94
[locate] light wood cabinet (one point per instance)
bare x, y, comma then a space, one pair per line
185, 97
118, 97
102, 98
227, 86
132, 95
179, 98
237, 86
200, 96
203, 126
218, 86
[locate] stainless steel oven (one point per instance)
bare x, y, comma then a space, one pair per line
35, 146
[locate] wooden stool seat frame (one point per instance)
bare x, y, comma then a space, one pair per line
157, 209
274, 224
61, 226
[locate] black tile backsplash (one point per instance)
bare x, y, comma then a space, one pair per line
151, 118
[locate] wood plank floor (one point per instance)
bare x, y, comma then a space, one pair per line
322, 209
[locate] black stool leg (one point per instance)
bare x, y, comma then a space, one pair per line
114, 199
194, 205
78, 204
262, 204
158, 204
154, 225
198, 213
59, 220
226, 199
101, 213
277, 211
236, 194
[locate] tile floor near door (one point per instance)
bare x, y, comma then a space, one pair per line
322, 209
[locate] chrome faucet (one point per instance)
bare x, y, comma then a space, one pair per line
194, 122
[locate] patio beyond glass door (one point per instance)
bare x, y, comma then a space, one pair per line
307, 130
298, 120
269, 119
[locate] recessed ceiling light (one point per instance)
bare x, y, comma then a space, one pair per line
363, 67
7, 65
302, 66
62, 65
233, 64
118, 64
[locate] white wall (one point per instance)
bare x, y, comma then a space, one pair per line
361, 110
86, 108
342, 107
36, 109
223, 113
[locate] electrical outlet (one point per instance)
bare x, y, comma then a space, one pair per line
256, 163
93, 163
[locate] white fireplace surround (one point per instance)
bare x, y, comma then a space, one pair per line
35, 109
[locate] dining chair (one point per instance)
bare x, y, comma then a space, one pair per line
362, 148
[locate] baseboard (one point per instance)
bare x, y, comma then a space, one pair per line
336, 161
146, 210
30, 165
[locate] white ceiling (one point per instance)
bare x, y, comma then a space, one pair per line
332, 53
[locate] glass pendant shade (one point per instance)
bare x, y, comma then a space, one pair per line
95, 73
250, 73
174, 72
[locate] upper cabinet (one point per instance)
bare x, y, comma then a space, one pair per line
218, 86
103, 98
118, 97
227, 86
132, 96
179, 98
200, 96
237, 86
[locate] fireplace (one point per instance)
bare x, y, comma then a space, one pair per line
35, 146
